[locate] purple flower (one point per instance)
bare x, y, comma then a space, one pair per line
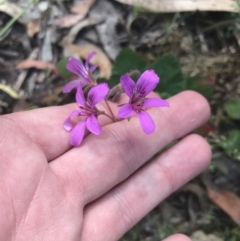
82, 71
89, 111
138, 102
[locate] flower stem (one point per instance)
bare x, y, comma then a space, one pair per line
109, 117
112, 116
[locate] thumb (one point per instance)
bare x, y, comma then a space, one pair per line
177, 237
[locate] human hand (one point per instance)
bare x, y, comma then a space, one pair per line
98, 191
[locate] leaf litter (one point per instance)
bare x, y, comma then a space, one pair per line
79, 10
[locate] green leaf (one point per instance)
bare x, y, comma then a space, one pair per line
126, 61
231, 144
169, 70
61, 68
233, 109
195, 83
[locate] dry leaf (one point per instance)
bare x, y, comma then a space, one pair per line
80, 10
46, 51
184, 5
23, 74
9, 91
198, 191
67, 21
227, 201
100, 58
20, 8
12, 10
82, 7
38, 64
33, 27
107, 31
69, 38
201, 236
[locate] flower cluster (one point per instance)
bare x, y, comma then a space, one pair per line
83, 73
96, 93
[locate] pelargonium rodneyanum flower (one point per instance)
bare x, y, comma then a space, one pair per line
83, 72
138, 102
88, 110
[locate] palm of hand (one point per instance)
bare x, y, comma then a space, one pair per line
98, 191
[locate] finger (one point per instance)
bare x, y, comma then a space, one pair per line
109, 217
177, 237
105, 160
45, 125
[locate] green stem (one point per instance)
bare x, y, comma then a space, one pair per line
113, 118
15, 18
109, 117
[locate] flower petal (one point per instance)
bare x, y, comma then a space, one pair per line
155, 102
77, 67
80, 99
93, 125
126, 111
98, 93
77, 133
92, 68
128, 84
146, 122
90, 56
68, 123
147, 82
71, 85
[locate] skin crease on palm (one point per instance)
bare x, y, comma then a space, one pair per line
100, 190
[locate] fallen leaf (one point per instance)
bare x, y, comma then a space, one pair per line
46, 50
82, 7
83, 51
12, 10
67, 21
201, 236
107, 30
80, 10
38, 64
27, 10
35, 17
198, 191
8, 98
33, 27
9, 91
184, 5
227, 201
69, 38
23, 73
